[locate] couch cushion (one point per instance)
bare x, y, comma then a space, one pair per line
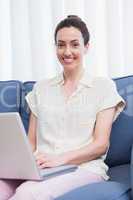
10, 94
120, 174
24, 111
122, 130
99, 191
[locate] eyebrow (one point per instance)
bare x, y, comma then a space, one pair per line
76, 40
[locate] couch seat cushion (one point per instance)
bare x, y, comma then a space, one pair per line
120, 174
99, 191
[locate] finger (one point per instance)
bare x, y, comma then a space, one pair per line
40, 161
44, 165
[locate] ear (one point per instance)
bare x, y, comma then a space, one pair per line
86, 48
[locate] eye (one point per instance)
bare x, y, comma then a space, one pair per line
60, 45
75, 45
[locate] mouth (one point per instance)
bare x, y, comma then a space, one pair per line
68, 60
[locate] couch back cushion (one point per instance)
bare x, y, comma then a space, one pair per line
24, 109
122, 131
10, 95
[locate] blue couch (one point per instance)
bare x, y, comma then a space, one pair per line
12, 99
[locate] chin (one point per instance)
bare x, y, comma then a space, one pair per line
69, 67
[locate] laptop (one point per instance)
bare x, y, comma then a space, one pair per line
16, 157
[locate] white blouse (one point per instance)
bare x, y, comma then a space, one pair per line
65, 125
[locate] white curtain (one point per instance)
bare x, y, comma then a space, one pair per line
27, 37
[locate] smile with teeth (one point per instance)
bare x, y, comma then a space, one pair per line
68, 60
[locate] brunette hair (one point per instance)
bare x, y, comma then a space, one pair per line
74, 21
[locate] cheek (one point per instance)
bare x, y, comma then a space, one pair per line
79, 54
58, 53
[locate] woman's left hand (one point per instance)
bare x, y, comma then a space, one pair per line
47, 160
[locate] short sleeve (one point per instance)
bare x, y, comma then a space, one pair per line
32, 101
111, 98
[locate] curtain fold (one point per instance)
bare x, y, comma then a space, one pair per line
27, 50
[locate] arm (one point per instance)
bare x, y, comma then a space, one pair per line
100, 142
32, 131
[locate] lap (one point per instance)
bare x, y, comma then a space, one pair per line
8, 187
48, 188
61, 184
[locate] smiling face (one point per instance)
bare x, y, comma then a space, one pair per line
70, 48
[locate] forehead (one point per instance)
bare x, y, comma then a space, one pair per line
68, 34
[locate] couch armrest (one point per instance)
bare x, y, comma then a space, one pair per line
131, 170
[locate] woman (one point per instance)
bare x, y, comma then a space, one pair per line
71, 119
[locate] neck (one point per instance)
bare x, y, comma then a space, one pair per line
73, 75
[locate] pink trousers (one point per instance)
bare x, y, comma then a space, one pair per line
46, 189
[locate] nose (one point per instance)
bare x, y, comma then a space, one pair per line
67, 51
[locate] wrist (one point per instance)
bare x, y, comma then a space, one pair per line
69, 157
